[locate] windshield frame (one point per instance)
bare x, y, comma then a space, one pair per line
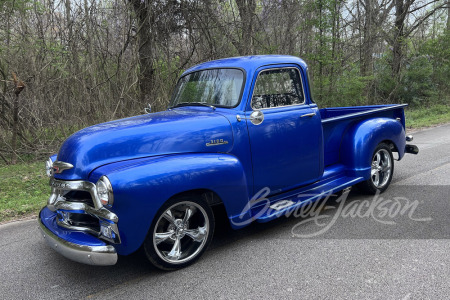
244, 81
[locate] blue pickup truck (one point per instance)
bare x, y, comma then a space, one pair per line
238, 129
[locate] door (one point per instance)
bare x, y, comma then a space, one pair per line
286, 145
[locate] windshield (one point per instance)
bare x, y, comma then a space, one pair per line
218, 87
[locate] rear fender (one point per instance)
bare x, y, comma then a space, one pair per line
362, 138
143, 186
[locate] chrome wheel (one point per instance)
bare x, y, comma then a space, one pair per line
181, 232
381, 169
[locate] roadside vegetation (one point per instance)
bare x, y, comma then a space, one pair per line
23, 190
420, 117
69, 64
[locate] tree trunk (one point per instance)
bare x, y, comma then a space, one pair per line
334, 43
247, 14
89, 65
397, 47
368, 41
321, 48
15, 129
5, 68
143, 11
448, 16
71, 38
87, 21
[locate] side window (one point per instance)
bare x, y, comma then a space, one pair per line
277, 87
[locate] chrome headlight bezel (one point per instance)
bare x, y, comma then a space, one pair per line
49, 167
105, 191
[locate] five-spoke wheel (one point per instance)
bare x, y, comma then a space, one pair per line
382, 168
180, 233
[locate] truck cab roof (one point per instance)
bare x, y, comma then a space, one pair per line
248, 63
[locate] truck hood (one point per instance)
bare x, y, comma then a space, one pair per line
169, 132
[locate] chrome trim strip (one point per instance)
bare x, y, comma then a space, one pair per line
91, 231
77, 228
58, 186
362, 113
60, 166
308, 115
102, 212
91, 255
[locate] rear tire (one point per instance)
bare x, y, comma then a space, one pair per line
180, 233
382, 169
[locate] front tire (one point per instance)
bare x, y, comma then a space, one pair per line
382, 169
180, 233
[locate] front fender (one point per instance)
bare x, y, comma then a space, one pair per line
362, 138
142, 186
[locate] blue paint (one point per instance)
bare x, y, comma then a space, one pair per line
153, 157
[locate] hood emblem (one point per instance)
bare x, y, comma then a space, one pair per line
217, 142
59, 166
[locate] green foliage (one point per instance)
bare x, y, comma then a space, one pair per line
168, 70
416, 85
427, 116
438, 51
23, 190
350, 87
382, 85
423, 79
21, 6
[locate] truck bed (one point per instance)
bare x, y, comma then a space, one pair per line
336, 120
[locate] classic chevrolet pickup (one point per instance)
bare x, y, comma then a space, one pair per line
236, 127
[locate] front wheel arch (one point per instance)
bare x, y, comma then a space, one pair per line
207, 195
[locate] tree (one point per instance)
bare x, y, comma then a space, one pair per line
403, 8
145, 33
247, 16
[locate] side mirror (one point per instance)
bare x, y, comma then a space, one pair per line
148, 109
256, 117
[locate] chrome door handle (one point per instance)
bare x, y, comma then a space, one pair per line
308, 115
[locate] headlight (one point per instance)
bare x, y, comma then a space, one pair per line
104, 191
49, 167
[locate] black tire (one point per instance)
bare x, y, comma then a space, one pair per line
177, 238
382, 169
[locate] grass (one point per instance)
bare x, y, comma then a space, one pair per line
23, 190
427, 116
24, 187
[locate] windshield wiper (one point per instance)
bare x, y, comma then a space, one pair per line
193, 104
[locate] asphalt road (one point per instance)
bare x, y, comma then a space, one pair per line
400, 250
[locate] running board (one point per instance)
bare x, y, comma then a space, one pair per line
289, 204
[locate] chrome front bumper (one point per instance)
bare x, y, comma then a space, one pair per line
99, 254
